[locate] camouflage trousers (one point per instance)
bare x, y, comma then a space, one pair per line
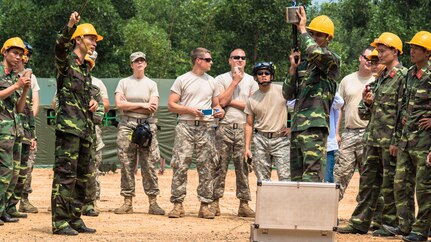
189, 140
412, 171
93, 185
267, 151
30, 164
308, 154
230, 146
349, 158
20, 179
377, 176
71, 172
8, 167
130, 155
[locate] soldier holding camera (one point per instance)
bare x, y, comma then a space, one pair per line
137, 98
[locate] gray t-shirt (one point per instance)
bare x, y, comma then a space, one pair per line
137, 90
195, 91
243, 91
269, 109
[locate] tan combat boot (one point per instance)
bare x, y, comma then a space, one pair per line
215, 207
26, 207
244, 210
177, 211
126, 207
205, 212
154, 207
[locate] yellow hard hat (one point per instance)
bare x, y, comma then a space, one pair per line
14, 42
422, 38
389, 39
375, 53
322, 24
86, 29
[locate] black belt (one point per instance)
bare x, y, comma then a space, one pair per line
234, 125
137, 120
270, 135
196, 122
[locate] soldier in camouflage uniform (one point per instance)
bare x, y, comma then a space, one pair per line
74, 126
191, 93
13, 92
313, 84
25, 206
28, 124
235, 88
267, 113
377, 175
412, 171
137, 98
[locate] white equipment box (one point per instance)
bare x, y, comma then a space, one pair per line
295, 211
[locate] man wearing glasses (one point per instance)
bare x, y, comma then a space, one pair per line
383, 99
236, 87
267, 114
194, 97
313, 85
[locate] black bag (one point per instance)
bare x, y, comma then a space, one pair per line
141, 135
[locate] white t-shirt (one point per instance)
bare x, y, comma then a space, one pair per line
268, 108
350, 90
195, 91
137, 90
243, 91
99, 84
34, 84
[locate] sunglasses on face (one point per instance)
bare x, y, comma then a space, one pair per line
206, 59
237, 57
139, 60
266, 73
365, 58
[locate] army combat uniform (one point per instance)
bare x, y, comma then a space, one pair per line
74, 129
414, 146
377, 174
314, 90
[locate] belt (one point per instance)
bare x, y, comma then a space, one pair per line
356, 129
234, 125
270, 135
196, 122
139, 120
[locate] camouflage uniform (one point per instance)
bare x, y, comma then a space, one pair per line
230, 145
74, 129
193, 139
314, 90
377, 174
414, 147
10, 130
27, 121
267, 149
30, 164
130, 155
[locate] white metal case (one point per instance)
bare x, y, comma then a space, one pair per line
295, 211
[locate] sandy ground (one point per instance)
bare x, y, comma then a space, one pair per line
140, 226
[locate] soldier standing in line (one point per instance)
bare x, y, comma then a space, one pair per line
192, 95
74, 126
313, 84
25, 206
413, 172
13, 92
27, 141
137, 98
267, 114
378, 171
236, 87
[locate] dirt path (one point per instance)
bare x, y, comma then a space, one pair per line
141, 226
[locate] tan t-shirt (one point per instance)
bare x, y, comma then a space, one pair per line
269, 109
243, 91
135, 90
195, 91
350, 90
99, 84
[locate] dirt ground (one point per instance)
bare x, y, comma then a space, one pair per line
140, 226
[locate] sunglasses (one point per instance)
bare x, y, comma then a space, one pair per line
139, 60
260, 73
237, 57
366, 58
206, 59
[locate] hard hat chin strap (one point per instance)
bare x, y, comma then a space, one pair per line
87, 50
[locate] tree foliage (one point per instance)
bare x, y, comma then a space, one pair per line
167, 30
